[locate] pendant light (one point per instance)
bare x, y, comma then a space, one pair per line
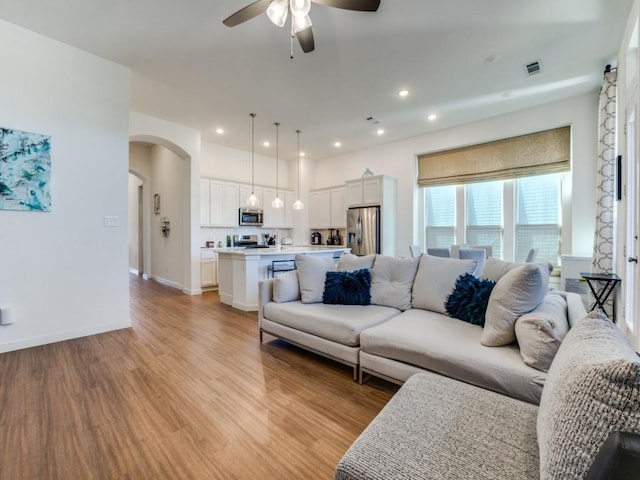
277, 203
252, 200
298, 205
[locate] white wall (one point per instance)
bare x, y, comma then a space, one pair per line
168, 180
398, 159
64, 273
226, 163
134, 234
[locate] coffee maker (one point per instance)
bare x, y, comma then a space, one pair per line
316, 238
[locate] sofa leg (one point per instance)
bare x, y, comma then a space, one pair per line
356, 373
260, 336
360, 376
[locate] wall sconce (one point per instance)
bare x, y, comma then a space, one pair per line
165, 226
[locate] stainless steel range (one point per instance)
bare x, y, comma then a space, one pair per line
247, 241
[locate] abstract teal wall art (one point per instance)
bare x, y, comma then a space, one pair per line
25, 171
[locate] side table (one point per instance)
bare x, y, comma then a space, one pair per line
608, 281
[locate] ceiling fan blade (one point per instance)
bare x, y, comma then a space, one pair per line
247, 13
358, 5
305, 37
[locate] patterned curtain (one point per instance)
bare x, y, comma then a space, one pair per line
604, 244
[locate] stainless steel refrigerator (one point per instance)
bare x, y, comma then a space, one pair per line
363, 230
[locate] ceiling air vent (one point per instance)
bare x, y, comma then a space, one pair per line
533, 67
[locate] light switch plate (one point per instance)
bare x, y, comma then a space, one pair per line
111, 221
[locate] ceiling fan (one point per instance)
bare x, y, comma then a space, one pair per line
277, 11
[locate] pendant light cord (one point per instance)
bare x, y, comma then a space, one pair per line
253, 168
277, 124
298, 132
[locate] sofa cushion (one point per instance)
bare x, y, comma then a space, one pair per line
286, 287
435, 280
593, 388
391, 281
349, 262
437, 428
311, 275
469, 299
338, 323
540, 332
442, 344
348, 288
516, 293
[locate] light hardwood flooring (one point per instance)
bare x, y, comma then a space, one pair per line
188, 392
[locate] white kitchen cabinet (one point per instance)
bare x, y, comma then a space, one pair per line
289, 212
320, 209
327, 208
273, 217
205, 206
208, 268
245, 192
366, 191
223, 200
338, 208
218, 203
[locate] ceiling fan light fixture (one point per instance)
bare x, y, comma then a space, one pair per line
277, 12
301, 22
300, 8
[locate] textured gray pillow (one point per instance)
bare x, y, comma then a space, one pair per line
541, 331
516, 293
592, 389
286, 287
391, 281
436, 279
350, 263
312, 272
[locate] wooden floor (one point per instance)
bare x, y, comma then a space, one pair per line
188, 392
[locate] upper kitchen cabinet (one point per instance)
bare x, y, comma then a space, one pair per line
245, 192
218, 203
327, 208
369, 191
277, 217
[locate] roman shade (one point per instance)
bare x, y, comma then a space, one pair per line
533, 154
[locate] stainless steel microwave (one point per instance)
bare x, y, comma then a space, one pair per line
251, 216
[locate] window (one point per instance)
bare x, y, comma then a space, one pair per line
441, 216
513, 216
484, 215
538, 218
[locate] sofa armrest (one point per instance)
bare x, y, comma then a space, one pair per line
265, 295
618, 458
575, 307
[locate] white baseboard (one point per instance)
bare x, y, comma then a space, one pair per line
168, 283
62, 336
134, 271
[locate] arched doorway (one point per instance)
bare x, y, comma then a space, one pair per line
161, 172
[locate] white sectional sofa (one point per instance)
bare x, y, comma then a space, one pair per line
406, 328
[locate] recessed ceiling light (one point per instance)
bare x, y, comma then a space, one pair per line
433, 117
219, 131
495, 58
337, 144
303, 154
403, 93
266, 143
380, 131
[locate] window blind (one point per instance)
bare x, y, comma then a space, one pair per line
533, 154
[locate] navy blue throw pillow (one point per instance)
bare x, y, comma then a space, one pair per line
469, 299
348, 288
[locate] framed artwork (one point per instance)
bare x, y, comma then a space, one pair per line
25, 171
156, 204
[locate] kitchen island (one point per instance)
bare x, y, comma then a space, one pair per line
240, 270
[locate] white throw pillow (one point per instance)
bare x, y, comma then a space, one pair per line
516, 293
391, 281
350, 263
312, 272
286, 287
436, 279
541, 331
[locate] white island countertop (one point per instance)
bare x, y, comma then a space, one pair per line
240, 269
284, 250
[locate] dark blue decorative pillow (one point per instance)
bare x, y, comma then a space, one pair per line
348, 288
469, 299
